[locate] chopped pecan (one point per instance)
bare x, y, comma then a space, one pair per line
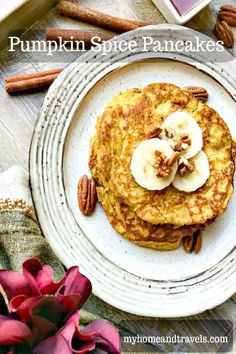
227, 13
176, 141
87, 195
199, 92
164, 165
185, 139
160, 155
163, 170
183, 143
178, 147
224, 33
169, 133
154, 133
185, 167
193, 243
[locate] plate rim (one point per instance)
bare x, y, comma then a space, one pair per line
111, 71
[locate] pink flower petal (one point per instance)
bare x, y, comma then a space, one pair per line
31, 268
42, 313
13, 332
61, 343
99, 334
70, 303
45, 282
71, 333
15, 284
104, 334
74, 284
41, 329
71, 326
53, 345
23, 307
16, 302
48, 308
41, 277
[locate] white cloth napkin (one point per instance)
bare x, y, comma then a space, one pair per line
14, 184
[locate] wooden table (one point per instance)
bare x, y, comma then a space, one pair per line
18, 115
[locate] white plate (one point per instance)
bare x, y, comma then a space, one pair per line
134, 279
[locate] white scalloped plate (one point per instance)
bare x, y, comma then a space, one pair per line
134, 279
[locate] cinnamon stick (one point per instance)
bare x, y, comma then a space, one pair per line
30, 81
54, 34
97, 18
34, 75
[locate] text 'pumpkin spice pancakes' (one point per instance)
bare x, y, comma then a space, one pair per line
163, 163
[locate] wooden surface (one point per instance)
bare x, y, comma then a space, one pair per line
18, 113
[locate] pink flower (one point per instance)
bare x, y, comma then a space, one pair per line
70, 339
42, 316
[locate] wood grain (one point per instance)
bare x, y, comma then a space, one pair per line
19, 113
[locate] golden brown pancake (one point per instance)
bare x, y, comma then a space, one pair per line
126, 121
126, 222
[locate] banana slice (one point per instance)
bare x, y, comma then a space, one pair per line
144, 159
194, 180
183, 124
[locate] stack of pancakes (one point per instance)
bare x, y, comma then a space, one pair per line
158, 219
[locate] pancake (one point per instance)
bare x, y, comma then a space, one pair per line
125, 221
126, 122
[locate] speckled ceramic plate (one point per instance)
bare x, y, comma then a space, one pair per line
134, 279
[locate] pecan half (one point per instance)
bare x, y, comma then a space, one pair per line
87, 195
188, 243
227, 13
193, 243
224, 33
199, 92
